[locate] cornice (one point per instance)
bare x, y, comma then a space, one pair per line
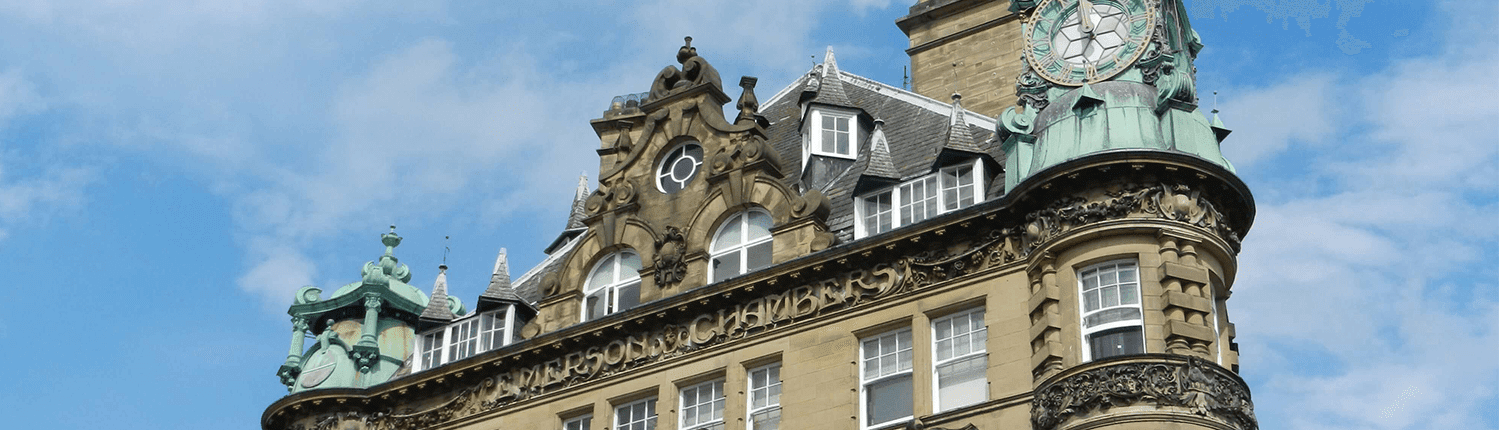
841, 281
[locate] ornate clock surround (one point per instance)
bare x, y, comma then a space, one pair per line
1042, 29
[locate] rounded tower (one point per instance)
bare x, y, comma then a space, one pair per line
1133, 217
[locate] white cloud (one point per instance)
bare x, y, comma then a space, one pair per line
1266, 121
1367, 301
276, 272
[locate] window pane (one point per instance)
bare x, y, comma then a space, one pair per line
962, 383
1130, 294
1115, 342
1091, 300
731, 235
759, 226
595, 304
630, 265
888, 400
766, 420
1110, 296
758, 257
726, 266
829, 136
604, 274
629, 296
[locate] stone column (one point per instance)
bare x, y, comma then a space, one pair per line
1046, 325
1185, 302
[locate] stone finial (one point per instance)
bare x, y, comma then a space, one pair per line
748, 104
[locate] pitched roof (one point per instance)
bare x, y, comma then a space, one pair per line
829, 88
437, 307
916, 128
499, 288
959, 137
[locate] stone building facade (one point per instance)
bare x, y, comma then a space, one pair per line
845, 254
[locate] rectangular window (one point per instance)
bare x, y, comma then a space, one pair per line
432, 349
493, 329
836, 135
916, 200
877, 213
919, 200
765, 397
958, 187
959, 359
463, 339
578, 423
637, 415
886, 379
703, 406
1110, 296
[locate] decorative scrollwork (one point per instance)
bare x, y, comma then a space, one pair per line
1162, 380
669, 258
695, 71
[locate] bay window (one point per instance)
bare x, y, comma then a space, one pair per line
1110, 296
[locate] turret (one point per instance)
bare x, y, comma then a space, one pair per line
364, 330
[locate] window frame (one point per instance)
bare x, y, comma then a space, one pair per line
865, 381
463, 339
744, 245
981, 353
940, 200
814, 143
661, 172
751, 388
429, 357
1085, 332
583, 422
613, 287
505, 329
716, 389
649, 421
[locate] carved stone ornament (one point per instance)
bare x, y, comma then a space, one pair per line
669, 258
1031, 88
743, 149
872, 280
614, 194
411, 419
1007, 244
1160, 380
695, 71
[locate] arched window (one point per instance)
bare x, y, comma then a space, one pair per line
743, 244
613, 286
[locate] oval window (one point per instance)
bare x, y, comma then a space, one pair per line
679, 167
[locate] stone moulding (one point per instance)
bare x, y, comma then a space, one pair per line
1161, 380
958, 246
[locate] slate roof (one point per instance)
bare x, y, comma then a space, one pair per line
499, 288
916, 129
437, 306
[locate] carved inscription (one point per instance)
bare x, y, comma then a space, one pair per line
700, 331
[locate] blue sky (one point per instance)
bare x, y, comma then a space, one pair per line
170, 173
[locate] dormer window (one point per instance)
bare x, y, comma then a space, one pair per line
951, 188
834, 132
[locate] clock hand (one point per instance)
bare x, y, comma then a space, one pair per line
1084, 7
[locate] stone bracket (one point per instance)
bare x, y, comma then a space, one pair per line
1187, 301
1189, 330
1184, 272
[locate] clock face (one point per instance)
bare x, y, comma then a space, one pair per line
1077, 41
